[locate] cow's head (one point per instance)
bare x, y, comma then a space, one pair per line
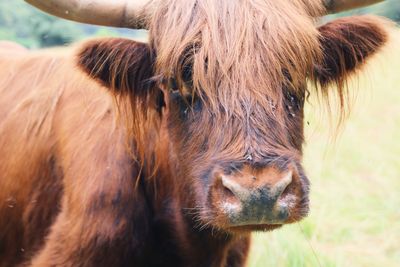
228, 81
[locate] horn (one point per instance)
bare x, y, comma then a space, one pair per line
334, 6
114, 13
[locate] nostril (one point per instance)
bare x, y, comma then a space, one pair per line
227, 192
283, 186
234, 188
286, 190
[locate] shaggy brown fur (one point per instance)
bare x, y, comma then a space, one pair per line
109, 150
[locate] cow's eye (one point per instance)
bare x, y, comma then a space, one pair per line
293, 99
294, 103
179, 88
173, 86
187, 76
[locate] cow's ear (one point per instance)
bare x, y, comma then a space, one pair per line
124, 66
346, 45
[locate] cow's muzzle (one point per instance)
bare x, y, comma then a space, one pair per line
258, 197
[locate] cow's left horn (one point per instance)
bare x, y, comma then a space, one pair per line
334, 6
115, 13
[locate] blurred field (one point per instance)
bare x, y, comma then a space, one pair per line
355, 193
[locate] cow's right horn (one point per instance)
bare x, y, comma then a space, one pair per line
334, 6
132, 14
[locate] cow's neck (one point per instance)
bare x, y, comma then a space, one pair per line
176, 234
175, 226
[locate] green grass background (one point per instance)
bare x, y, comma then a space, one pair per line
355, 175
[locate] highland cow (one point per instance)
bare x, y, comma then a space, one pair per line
171, 152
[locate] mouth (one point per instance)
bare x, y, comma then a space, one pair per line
296, 216
254, 228
220, 220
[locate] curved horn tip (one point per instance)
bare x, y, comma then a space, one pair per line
114, 13
335, 6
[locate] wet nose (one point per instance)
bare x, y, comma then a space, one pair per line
257, 198
246, 194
